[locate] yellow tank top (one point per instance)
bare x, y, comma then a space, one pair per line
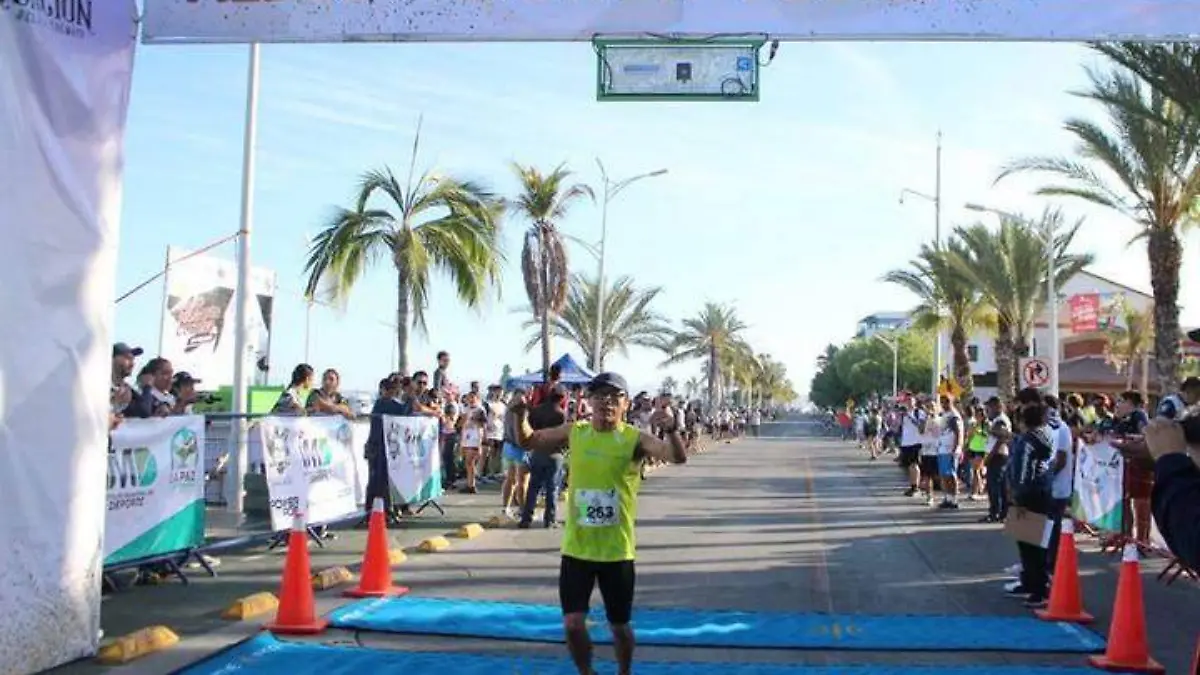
602, 493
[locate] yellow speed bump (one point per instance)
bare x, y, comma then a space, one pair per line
470, 531
251, 606
330, 577
136, 645
396, 556
434, 545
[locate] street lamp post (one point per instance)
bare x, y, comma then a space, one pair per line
1051, 286
894, 343
611, 190
936, 200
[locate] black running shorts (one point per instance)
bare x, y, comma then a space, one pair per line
909, 455
929, 467
577, 578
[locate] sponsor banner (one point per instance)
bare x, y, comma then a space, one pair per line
1085, 312
413, 457
310, 468
155, 500
198, 318
65, 76
1099, 476
581, 20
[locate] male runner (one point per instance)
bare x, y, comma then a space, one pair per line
605, 457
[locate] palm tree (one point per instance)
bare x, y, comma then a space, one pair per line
1130, 342
1009, 266
427, 223
544, 200
710, 335
1169, 68
771, 380
946, 299
628, 319
1147, 168
691, 387
669, 385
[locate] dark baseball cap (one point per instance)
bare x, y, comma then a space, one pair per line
1190, 383
184, 377
608, 381
1194, 335
122, 349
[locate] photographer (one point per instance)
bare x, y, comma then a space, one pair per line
1174, 447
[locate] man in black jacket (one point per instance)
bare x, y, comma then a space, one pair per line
1176, 497
1029, 457
544, 467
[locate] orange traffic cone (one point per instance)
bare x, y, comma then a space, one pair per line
375, 578
1066, 602
1127, 649
297, 614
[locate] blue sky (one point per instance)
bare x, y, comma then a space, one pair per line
787, 209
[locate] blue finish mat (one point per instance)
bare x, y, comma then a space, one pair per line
268, 655
704, 628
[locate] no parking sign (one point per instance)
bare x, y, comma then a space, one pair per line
1035, 372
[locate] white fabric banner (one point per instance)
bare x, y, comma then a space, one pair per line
1099, 476
581, 20
413, 457
65, 71
155, 488
310, 468
198, 316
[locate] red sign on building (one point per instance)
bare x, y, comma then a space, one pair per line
1085, 312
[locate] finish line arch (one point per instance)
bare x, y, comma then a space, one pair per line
266, 21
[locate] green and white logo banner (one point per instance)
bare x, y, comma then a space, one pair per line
155, 488
414, 462
310, 468
1099, 481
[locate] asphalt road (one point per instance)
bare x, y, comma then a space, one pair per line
788, 525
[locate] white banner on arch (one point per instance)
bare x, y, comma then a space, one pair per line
581, 20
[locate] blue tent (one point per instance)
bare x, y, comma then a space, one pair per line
572, 374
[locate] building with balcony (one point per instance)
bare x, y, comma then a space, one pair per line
882, 322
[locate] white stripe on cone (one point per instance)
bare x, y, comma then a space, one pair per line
377, 505
1068, 526
1130, 554
298, 524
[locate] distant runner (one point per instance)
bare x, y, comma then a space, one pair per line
605, 456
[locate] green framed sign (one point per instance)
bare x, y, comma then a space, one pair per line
678, 69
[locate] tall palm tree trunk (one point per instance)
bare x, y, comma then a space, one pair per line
712, 378
962, 360
544, 273
1005, 363
1165, 253
403, 296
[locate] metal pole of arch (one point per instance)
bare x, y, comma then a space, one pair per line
233, 486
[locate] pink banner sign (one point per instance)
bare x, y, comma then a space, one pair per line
1085, 312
